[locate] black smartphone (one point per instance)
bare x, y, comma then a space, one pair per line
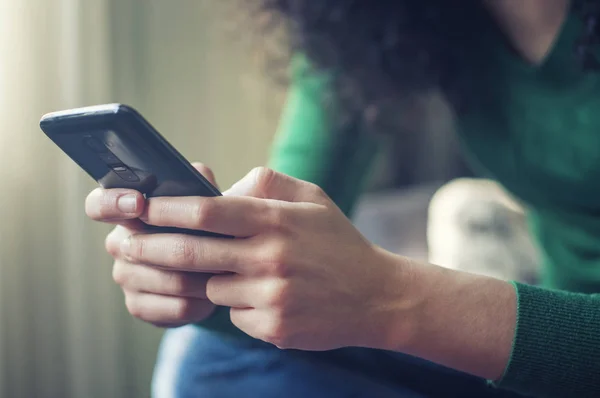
118, 148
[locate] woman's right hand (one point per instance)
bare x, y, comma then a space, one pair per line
161, 297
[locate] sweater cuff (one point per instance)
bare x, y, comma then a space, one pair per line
556, 349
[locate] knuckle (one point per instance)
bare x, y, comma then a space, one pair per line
205, 171
276, 216
316, 194
185, 251
177, 283
277, 258
279, 268
113, 240
211, 289
111, 245
200, 166
134, 306
137, 249
238, 321
120, 274
315, 191
277, 334
278, 295
159, 210
182, 309
263, 178
261, 172
203, 212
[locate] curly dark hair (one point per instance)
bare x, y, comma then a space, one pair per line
381, 51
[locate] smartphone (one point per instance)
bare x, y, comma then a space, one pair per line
119, 148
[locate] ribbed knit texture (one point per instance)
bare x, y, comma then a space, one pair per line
556, 351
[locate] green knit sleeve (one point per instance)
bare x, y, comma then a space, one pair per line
556, 351
308, 146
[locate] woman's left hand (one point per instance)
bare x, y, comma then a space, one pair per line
298, 276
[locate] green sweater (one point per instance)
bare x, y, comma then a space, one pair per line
536, 131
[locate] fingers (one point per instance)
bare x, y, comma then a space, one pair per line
237, 291
148, 279
163, 298
113, 205
187, 253
258, 324
206, 172
251, 301
265, 183
112, 244
167, 310
235, 216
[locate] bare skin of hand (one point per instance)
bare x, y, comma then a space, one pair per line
299, 275
159, 296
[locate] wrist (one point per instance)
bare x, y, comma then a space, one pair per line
456, 319
393, 321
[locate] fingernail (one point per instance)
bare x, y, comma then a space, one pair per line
126, 246
127, 203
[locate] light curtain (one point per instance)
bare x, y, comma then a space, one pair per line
64, 331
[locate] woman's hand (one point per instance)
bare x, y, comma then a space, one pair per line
163, 297
299, 275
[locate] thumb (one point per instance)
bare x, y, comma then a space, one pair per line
206, 172
265, 183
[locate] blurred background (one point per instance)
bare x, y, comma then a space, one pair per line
64, 331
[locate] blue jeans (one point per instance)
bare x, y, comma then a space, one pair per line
195, 362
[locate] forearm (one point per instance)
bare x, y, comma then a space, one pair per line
456, 319
538, 342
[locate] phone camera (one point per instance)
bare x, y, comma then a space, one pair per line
95, 145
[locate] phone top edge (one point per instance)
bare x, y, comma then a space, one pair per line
94, 110
54, 124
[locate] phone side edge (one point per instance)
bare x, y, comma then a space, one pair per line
138, 118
